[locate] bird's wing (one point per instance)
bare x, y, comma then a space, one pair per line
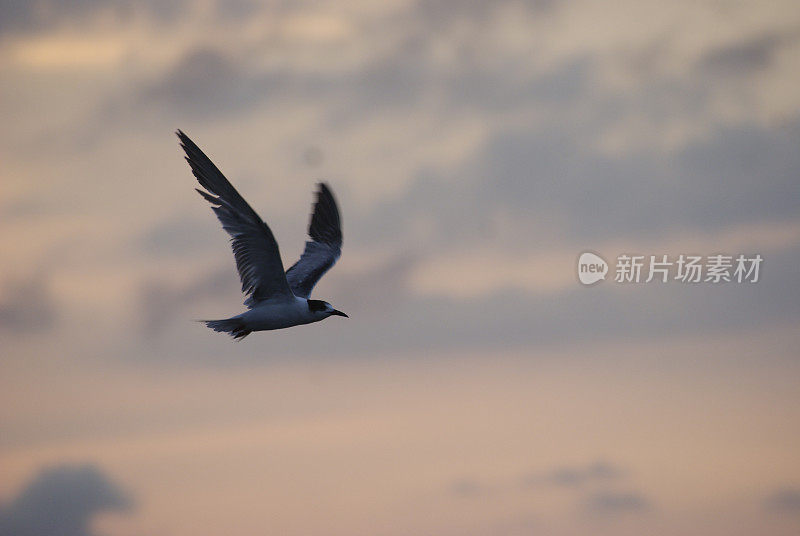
258, 259
324, 248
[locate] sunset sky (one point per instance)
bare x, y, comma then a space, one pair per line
476, 148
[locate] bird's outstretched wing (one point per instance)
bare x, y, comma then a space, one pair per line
258, 259
322, 250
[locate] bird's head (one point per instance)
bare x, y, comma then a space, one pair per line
323, 309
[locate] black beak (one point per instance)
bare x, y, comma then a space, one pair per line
339, 313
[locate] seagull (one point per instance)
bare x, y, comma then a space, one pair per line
275, 299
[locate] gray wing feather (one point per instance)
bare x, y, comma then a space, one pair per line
324, 248
258, 258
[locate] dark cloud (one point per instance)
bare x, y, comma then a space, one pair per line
20, 16
240, 9
27, 305
587, 484
574, 476
163, 302
61, 501
206, 81
551, 168
743, 58
611, 503
786, 500
436, 13
739, 175
411, 70
406, 75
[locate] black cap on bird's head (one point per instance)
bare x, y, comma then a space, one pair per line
324, 307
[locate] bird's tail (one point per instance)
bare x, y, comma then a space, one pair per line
233, 326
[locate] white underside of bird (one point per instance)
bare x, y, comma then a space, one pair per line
275, 299
269, 315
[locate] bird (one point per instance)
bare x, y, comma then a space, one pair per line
275, 299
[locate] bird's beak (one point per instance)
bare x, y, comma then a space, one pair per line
339, 313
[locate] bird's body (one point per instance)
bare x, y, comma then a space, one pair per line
269, 315
275, 299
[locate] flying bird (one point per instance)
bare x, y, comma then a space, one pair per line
275, 299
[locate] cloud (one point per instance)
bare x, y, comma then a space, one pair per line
436, 13
453, 53
465, 487
208, 82
599, 471
785, 500
549, 186
611, 503
398, 73
27, 305
20, 16
744, 58
61, 501
388, 281
163, 301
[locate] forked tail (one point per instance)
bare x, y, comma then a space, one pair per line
233, 326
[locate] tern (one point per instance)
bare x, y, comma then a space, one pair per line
275, 299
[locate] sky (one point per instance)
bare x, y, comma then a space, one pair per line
476, 149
